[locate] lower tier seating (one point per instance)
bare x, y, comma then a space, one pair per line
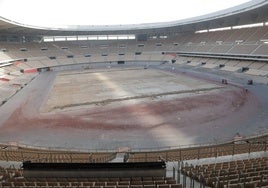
239, 173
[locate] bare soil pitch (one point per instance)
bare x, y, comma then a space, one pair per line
159, 121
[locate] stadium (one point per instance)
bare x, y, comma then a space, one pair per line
160, 105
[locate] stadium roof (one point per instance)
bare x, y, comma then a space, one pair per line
251, 12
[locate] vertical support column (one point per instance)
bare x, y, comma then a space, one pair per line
184, 181
191, 183
183, 176
173, 175
179, 173
191, 180
202, 181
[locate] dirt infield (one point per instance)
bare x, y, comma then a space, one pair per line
157, 121
76, 89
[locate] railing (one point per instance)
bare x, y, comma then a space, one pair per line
213, 151
20, 152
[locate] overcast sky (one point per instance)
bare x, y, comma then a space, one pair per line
107, 12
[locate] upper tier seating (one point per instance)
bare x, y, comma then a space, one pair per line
247, 41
